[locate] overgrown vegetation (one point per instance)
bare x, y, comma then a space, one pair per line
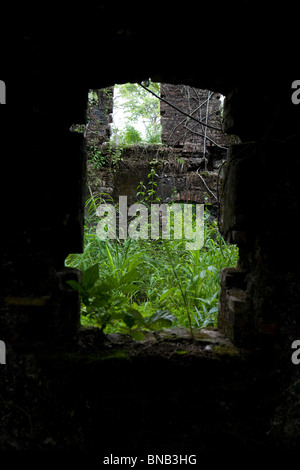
110, 156
139, 124
140, 115
133, 286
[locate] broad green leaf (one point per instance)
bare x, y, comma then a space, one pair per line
90, 276
136, 314
160, 319
162, 314
129, 320
160, 324
137, 335
100, 301
75, 285
104, 287
119, 315
130, 276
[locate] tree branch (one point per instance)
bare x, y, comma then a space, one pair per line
180, 110
203, 181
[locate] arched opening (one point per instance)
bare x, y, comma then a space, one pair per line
146, 282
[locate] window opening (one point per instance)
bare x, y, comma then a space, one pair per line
135, 279
136, 114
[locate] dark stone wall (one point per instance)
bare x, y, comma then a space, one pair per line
260, 199
99, 118
43, 172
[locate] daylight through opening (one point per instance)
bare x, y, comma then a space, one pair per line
155, 155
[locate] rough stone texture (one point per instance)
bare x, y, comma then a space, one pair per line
181, 131
176, 169
256, 195
177, 161
100, 111
235, 307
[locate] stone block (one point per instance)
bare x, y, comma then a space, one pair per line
232, 277
240, 203
239, 305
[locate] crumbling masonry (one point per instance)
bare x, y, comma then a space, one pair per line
186, 149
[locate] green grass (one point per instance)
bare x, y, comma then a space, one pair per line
137, 285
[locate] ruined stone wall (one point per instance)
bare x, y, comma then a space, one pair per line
176, 166
176, 169
100, 108
100, 111
181, 131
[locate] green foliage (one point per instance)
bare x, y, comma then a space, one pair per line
110, 157
139, 105
108, 290
97, 157
153, 134
115, 156
139, 285
147, 195
130, 136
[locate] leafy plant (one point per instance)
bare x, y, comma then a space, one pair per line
130, 136
111, 156
107, 301
98, 158
139, 285
147, 195
115, 156
153, 134
138, 105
